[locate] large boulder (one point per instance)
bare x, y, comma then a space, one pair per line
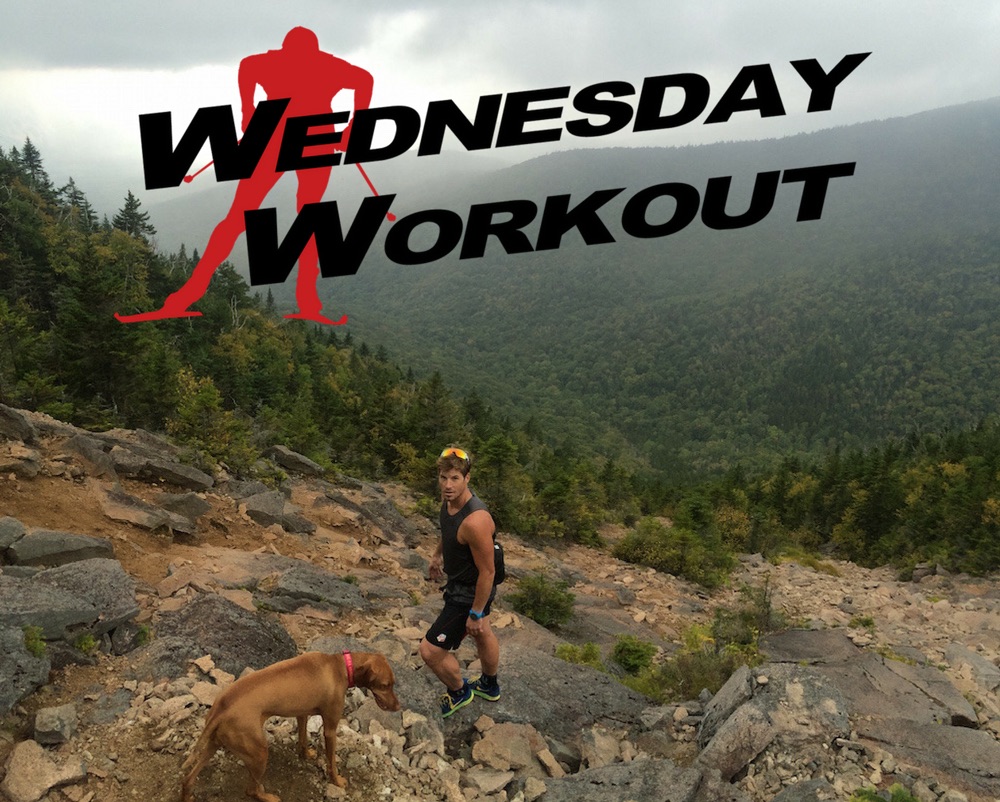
235, 638
15, 426
796, 708
21, 672
642, 779
57, 612
11, 530
44, 547
100, 582
307, 585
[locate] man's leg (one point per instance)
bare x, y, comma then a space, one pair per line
443, 663
488, 649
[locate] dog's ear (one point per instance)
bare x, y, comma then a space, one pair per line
381, 671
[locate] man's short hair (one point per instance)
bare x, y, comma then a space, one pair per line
455, 458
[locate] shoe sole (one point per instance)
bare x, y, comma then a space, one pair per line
459, 706
486, 696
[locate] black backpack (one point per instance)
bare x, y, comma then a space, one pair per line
499, 569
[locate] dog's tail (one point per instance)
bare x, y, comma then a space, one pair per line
202, 751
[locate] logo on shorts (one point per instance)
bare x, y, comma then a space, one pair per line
442, 638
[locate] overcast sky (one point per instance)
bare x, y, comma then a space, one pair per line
74, 76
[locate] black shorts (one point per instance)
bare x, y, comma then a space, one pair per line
448, 630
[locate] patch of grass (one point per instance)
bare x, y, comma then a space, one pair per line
587, 655
889, 654
543, 601
808, 560
862, 622
897, 793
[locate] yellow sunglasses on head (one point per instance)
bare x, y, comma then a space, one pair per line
456, 452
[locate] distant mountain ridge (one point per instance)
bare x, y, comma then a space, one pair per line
705, 348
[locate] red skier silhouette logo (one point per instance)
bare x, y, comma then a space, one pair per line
310, 79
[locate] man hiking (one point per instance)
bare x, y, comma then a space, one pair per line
465, 554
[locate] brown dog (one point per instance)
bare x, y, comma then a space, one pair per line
310, 684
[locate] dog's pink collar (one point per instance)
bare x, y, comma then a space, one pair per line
349, 665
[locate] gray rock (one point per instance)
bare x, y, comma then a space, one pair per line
25, 602
293, 461
803, 646
24, 463
236, 638
127, 462
241, 489
120, 506
266, 508
49, 548
101, 583
106, 708
21, 672
270, 508
15, 426
640, 779
738, 740
984, 673
189, 505
178, 474
55, 725
808, 791
94, 453
968, 758
737, 691
11, 530
797, 707
306, 584
379, 510
32, 773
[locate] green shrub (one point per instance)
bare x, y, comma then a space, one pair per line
33, 641
144, 635
87, 644
675, 550
862, 622
699, 664
587, 655
710, 654
897, 793
632, 654
752, 618
542, 600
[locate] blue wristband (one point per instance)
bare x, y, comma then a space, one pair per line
474, 615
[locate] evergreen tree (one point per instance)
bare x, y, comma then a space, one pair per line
81, 213
30, 161
132, 220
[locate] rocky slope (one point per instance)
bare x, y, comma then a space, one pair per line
151, 585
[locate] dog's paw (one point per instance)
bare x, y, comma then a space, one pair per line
340, 781
309, 753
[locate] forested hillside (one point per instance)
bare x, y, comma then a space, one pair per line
838, 378
240, 378
706, 348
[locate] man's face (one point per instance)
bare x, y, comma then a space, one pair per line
452, 483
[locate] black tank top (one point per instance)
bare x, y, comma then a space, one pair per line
458, 562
